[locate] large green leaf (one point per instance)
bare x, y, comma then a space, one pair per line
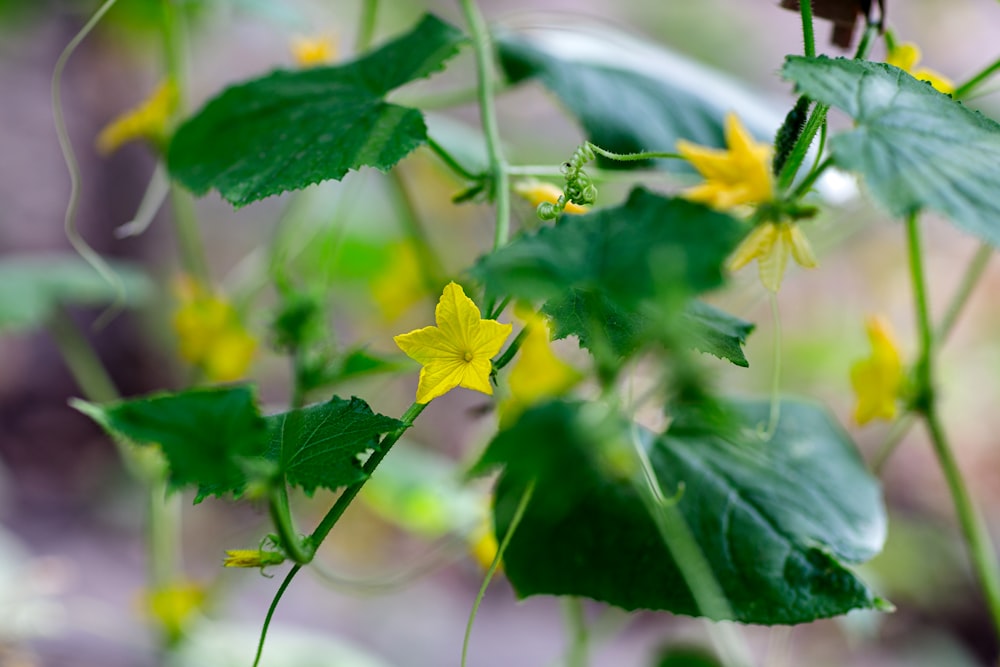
916, 148
629, 95
323, 445
291, 129
620, 277
209, 436
775, 519
33, 286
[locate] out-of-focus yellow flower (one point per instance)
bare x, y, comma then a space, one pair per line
150, 120
210, 333
739, 175
313, 51
173, 606
878, 380
770, 244
483, 545
251, 558
905, 56
458, 351
401, 285
538, 374
537, 192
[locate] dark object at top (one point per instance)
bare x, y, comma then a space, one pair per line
844, 14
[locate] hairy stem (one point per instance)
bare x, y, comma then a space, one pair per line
964, 89
808, 37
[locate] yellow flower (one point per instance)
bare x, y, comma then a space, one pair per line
150, 120
172, 606
314, 51
251, 558
906, 56
538, 374
877, 380
211, 335
401, 285
483, 544
770, 244
458, 351
537, 192
739, 175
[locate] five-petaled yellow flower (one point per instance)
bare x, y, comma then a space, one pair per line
733, 177
906, 56
538, 373
878, 380
770, 244
150, 120
538, 192
314, 51
458, 351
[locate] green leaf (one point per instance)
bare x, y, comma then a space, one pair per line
291, 129
33, 286
916, 148
616, 277
208, 436
718, 333
775, 520
323, 445
629, 95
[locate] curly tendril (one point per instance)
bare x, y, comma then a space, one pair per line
580, 188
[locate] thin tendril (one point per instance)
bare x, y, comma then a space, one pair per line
522, 505
270, 610
69, 156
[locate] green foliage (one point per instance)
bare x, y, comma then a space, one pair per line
629, 97
916, 148
33, 286
209, 436
323, 445
775, 519
616, 277
291, 129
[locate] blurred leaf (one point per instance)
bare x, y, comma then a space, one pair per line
629, 95
207, 435
323, 445
774, 519
685, 656
421, 490
360, 362
916, 148
291, 129
33, 286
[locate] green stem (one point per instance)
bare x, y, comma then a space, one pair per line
366, 27
867, 39
808, 38
816, 120
977, 539
271, 609
576, 622
802, 188
897, 432
487, 111
190, 246
964, 89
515, 520
451, 162
511, 350
291, 542
164, 518
981, 551
775, 413
327, 522
83, 363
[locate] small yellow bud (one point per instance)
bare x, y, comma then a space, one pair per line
252, 558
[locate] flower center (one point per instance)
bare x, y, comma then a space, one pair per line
468, 356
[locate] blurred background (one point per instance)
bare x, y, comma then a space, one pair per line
72, 561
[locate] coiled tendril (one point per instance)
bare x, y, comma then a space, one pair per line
580, 188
